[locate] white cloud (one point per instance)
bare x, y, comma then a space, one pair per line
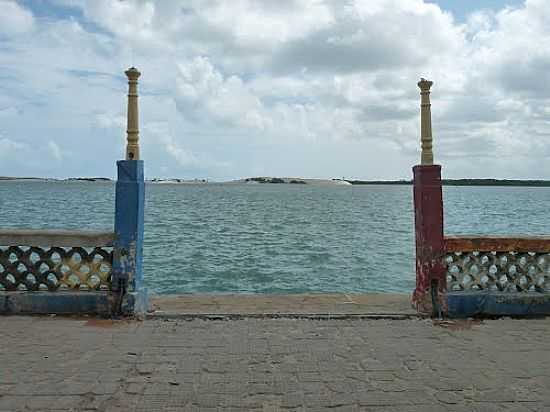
108, 121
228, 86
9, 148
55, 150
267, 24
202, 90
369, 36
14, 19
182, 156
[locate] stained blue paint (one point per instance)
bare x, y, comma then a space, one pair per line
128, 247
469, 304
97, 303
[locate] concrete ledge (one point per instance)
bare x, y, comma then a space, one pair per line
62, 303
469, 304
314, 305
309, 316
71, 303
60, 238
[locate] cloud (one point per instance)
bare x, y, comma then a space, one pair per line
319, 87
286, 20
14, 19
55, 151
182, 156
369, 36
202, 90
108, 121
10, 148
512, 49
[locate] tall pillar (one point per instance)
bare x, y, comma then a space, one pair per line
130, 295
427, 156
430, 293
132, 147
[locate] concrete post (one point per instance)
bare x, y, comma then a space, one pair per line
430, 293
130, 296
132, 148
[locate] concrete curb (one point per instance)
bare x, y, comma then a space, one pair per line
312, 316
26, 303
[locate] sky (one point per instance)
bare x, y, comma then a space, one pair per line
308, 88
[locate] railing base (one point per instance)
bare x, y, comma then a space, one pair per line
477, 304
70, 303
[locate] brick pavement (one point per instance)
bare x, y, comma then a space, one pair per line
63, 364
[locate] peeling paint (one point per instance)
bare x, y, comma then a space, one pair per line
430, 249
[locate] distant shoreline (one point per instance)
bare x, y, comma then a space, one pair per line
304, 181
53, 179
462, 182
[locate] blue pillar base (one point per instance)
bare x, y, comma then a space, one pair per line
136, 303
128, 247
472, 304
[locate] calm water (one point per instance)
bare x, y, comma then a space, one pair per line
276, 238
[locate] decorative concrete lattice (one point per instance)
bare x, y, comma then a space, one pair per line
35, 268
498, 271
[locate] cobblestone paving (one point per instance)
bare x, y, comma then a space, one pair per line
271, 365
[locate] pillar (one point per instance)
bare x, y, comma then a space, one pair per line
130, 296
430, 293
132, 147
427, 156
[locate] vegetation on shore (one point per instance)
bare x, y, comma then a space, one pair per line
49, 179
461, 182
279, 180
274, 180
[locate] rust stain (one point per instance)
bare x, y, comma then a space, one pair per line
104, 323
457, 325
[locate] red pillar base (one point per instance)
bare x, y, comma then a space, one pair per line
431, 288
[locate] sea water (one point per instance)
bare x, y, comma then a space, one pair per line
276, 238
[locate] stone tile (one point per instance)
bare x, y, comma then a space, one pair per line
275, 364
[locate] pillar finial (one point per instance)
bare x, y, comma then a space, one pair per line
427, 156
132, 132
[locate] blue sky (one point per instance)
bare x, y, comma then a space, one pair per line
462, 8
313, 88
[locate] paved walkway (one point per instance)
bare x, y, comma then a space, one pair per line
66, 364
324, 304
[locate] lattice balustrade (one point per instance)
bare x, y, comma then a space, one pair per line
53, 268
498, 271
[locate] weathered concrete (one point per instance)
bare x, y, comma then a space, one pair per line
299, 304
482, 303
51, 238
129, 229
429, 294
497, 243
70, 303
273, 365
